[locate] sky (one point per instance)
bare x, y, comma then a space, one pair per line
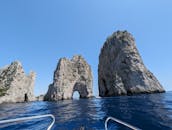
39, 32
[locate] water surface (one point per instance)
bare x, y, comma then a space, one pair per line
148, 112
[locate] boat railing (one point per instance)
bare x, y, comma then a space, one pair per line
30, 118
120, 122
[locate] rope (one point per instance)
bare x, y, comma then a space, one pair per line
30, 118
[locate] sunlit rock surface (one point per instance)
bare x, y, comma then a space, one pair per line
121, 70
15, 85
69, 76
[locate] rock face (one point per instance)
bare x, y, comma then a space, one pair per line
15, 86
121, 70
69, 76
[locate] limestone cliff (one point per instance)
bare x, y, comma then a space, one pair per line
69, 76
121, 70
15, 86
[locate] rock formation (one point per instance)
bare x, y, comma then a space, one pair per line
121, 70
69, 76
15, 86
40, 98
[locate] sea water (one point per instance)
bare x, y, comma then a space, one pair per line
145, 111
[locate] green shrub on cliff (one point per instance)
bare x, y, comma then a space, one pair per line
2, 91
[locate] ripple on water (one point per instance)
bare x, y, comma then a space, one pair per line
153, 111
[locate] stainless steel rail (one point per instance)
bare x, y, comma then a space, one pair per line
120, 122
31, 118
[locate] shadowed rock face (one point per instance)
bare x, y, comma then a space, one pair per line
69, 76
121, 70
15, 86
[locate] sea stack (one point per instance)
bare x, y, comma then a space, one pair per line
69, 76
121, 70
15, 85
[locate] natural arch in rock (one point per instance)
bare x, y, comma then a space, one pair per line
70, 76
75, 95
82, 90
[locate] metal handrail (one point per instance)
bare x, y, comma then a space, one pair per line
30, 118
120, 122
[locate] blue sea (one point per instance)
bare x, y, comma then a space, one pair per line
146, 111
